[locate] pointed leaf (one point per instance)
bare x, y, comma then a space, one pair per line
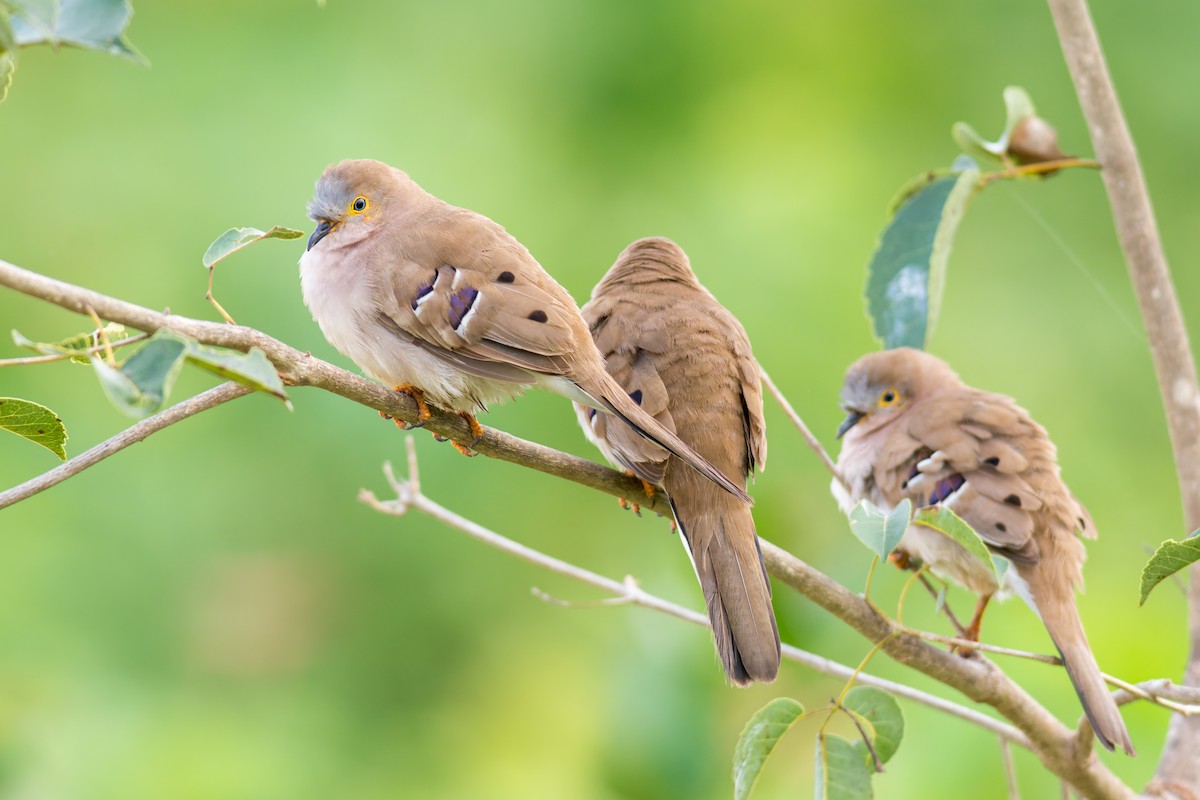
906, 274
975, 145
842, 770
142, 384
881, 716
235, 239
878, 530
93, 24
251, 369
762, 732
34, 422
73, 346
1170, 557
945, 521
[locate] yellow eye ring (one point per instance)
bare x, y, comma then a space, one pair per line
888, 397
359, 205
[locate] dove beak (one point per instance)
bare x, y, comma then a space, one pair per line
323, 229
852, 418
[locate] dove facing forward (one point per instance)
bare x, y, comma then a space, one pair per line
687, 361
914, 430
440, 302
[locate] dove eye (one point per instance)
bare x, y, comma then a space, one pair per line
359, 205
888, 397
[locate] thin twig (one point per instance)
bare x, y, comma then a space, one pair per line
46, 359
987, 648
408, 495
131, 435
1040, 168
1010, 770
813, 441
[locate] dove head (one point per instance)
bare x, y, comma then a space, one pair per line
649, 260
881, 387
354, 197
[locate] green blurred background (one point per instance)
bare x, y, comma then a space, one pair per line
211, 614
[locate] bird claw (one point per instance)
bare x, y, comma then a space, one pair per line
418, 396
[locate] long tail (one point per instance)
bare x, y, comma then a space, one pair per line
617, 402
1056, 605
720, 537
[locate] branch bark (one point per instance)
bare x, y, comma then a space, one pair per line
1173, 363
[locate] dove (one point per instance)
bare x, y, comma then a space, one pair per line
687, 361
914, 430
440, 302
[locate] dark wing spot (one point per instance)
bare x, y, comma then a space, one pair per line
636, 396
1000, 527
1013, 500
591, 413
460, 303
1082, 524
505, 277
994, 461
539, 316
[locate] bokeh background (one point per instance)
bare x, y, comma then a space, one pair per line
211, 614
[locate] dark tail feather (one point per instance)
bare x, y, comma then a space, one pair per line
1067, 634
619, 403
737, 592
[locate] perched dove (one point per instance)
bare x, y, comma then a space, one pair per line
440, 302
687, 361
915, 430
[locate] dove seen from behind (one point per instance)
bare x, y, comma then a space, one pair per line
687, 361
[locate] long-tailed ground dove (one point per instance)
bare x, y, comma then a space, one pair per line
686, 360
915, 430
441, 302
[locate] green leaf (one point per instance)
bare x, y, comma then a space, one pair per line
34, 422
880, 714
878, 530
762, 732
1017, 106
143, 383
73, 346
946, 522
92, 24
8, 55
842, 770
1170, 557
235, 239
251, 369
906, 274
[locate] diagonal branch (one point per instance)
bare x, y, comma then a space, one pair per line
1137, 231
409, 495
131, 435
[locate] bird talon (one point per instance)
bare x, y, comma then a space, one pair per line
418, 396
649, 489
464, 449
437, 437
900, 558
623, 503
473, 424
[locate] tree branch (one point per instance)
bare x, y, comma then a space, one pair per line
409, 495
131, 435
1173, 363
302, 369
977, 678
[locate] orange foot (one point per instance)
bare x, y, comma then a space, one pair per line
476, 435
418, 396
900, 558
647, 488
971, 633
